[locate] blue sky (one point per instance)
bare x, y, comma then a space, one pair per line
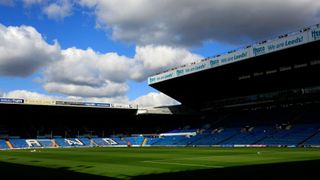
104, 50
77, 30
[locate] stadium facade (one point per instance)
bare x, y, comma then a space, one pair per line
265, 94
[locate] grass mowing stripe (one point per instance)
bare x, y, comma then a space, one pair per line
182, 164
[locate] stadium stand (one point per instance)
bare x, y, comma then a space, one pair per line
294, 126
19, 143
215, 137
290, 136
134, 140
119, 140
102, 142
314, 140
86, 141
151, 140
3, 144
171, 141
281, 127
46, 143
251, 136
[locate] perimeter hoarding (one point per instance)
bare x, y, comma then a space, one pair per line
279, 44
65, 103
314, 34
11, 100
89, 104
39, 102
203, 65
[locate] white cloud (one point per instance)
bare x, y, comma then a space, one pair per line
84, 73
28, 95
187, 22
23, 51
87, 67
7, 2
154, 99
58, 10
190, 22
107, 89
152, 59
33, 2
88, 3
89, 73
53, 9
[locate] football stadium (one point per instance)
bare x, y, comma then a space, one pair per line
249, 113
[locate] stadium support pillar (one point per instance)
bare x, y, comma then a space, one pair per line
144, 142
92, 143
9, 144
54, 144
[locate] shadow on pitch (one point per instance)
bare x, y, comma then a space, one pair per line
17, 171
291, 170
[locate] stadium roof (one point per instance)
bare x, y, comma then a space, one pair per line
289, 62
282, 42
20, 101
85, 106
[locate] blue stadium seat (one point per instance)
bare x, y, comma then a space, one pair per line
314, 140
3, 144
19, 143
86, 141
109, 141
290, 137
69, 142
216, 137
46, 143
135, 140
249, 137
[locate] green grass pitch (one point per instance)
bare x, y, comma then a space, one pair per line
160, 163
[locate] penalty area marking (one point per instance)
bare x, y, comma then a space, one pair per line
183, 164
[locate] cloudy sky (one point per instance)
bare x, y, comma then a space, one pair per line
104, 50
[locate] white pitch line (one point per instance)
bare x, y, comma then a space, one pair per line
183, 164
